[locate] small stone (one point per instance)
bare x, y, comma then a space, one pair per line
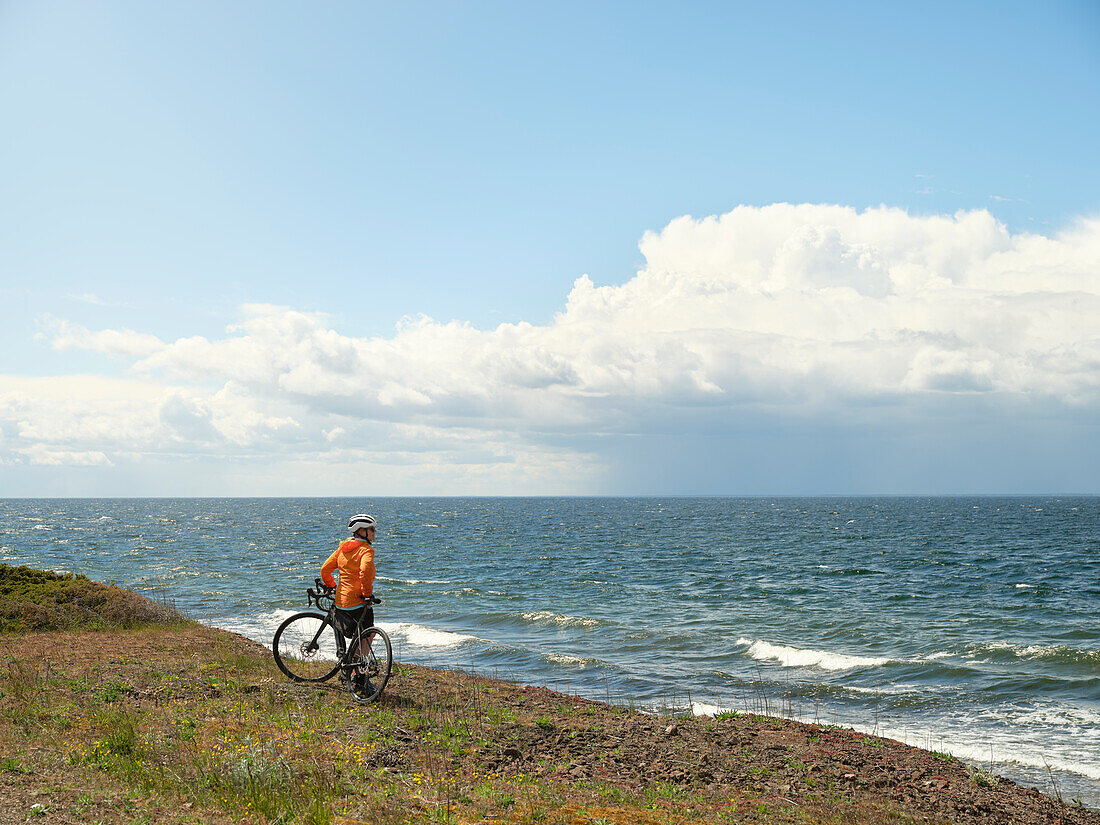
672, 730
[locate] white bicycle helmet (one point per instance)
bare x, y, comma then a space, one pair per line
361, 521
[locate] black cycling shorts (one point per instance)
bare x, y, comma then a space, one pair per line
348, 621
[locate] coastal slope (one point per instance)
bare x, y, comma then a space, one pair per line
171, 721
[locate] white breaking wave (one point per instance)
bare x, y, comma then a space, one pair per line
258, 628
895, 690
559, 619
1036, 651
419, 635
939, 654
800, 657
262, 627
707, 709
578, 662
411, 581
1066, 716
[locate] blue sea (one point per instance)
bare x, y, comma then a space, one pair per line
964, 625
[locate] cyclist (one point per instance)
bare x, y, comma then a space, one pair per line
355, 560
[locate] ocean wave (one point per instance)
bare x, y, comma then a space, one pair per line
1063, 716
548, 617
939, 654
411, 581
1046, 653
804, 657
259, 628
420, 635
851, 571
578, 662
892, 690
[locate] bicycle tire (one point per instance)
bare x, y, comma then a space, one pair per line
367, 679
305, 648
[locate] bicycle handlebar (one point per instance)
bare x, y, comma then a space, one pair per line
325, 592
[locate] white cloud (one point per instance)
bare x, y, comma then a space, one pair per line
764, 311
39, 455
122, 342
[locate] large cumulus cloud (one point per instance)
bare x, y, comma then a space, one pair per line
769, 313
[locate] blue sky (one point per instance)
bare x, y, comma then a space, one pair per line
186, 171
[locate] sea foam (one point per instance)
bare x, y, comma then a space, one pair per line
549, 617
419, 635
803, 657
411, 581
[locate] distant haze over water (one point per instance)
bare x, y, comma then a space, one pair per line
966, 625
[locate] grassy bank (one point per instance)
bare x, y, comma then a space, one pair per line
172, 722
40, 600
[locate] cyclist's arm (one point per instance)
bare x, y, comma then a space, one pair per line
327, 568
366, 575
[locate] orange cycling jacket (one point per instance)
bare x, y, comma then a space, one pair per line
355, 559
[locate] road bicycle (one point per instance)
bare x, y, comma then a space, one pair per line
309, 647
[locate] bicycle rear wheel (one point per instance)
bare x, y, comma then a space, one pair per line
370, 665
305, 648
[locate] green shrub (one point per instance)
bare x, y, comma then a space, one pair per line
41, 600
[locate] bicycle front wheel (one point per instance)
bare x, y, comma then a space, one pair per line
371, 663
305, 648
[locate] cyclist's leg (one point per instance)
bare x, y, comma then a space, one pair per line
364, 665
348, 622
365, 621
346, 626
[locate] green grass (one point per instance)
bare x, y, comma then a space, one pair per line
982, 778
